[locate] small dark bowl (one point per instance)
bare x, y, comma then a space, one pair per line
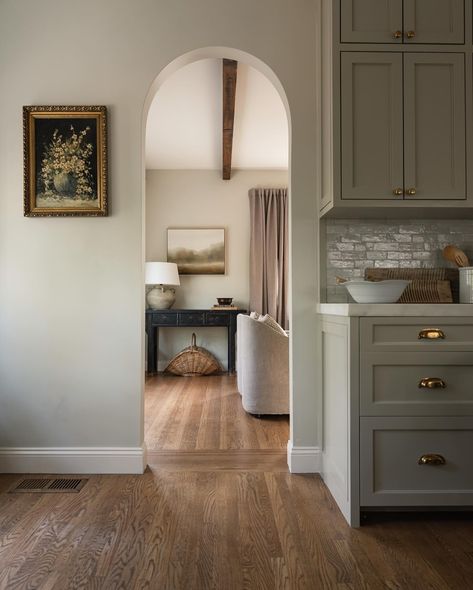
224, 300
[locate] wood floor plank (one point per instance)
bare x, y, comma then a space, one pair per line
209, 428
255, 554
228, 534
296, 552
208, 460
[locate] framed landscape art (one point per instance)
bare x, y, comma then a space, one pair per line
65, 161
197, 251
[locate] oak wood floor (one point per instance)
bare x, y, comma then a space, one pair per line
220, 530
206, 518
205, 413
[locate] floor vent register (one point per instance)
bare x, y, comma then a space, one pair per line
64, 485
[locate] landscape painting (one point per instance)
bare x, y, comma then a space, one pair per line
197, 251
65, 161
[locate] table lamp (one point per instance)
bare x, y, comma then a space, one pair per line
161, 275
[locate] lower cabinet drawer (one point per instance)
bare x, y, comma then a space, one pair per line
416, 384
416, 461
416, 334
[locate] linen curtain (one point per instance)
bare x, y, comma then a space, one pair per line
269, 252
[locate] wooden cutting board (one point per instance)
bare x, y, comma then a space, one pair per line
429, 285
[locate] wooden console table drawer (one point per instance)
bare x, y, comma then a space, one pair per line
217, 318
390, 451
416, 384
424, 334
191, 319
163, 318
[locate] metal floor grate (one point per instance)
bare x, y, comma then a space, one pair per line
65, 485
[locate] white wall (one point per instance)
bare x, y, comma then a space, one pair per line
71, 290
200, 198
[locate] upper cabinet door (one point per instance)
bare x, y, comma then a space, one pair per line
434, 21
371, 21
434, 126
371, 125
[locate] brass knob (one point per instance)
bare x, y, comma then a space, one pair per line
431, 459
398, 192
432, 383
397, 34
411, 34
431, 334
411, 191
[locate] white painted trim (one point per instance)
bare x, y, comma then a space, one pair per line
304, 459
338, 485
122, 460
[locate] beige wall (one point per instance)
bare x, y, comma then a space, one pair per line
200, 198
71, 290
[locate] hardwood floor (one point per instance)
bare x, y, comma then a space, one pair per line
206, 518
205, 413
221, 530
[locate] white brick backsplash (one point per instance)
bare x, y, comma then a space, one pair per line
400, 255
386, 246
402, 237
353, 245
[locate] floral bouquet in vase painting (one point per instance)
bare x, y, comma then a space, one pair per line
66, 168
65, 160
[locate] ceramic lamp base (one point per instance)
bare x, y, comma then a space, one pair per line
160, 297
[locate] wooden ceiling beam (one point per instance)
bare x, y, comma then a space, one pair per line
229, 90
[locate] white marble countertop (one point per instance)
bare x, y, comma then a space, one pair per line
397, 309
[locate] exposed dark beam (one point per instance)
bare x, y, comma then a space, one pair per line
229, 90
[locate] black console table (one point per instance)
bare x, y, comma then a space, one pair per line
188, 318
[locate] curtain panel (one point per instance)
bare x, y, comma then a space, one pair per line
269, 252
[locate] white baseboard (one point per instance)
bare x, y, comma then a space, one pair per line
304, 459
121, 460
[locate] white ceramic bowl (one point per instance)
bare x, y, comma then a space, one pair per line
376, 291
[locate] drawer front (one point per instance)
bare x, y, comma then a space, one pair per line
217, 319
164, 319
416, 384
195, 318
390, 472
423, 334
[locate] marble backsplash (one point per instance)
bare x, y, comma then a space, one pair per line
353, 245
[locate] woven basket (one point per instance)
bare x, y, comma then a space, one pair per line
193, 361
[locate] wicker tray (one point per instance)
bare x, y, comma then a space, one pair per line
193, 361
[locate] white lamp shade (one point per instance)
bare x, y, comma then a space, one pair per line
161, 273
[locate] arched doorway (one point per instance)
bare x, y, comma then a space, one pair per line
217, 53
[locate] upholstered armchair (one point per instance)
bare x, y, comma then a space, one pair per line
262, 366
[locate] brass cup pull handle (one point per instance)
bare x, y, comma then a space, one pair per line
410, 34
411, 191
398, 192
431, 334
397, 34
431, 459
432, 383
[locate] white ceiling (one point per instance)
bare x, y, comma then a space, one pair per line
184, 127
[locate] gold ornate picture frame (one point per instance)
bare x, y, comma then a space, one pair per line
65, 161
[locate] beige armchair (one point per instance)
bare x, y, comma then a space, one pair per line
262, 367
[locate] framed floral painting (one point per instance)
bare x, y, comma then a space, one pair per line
65, 161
